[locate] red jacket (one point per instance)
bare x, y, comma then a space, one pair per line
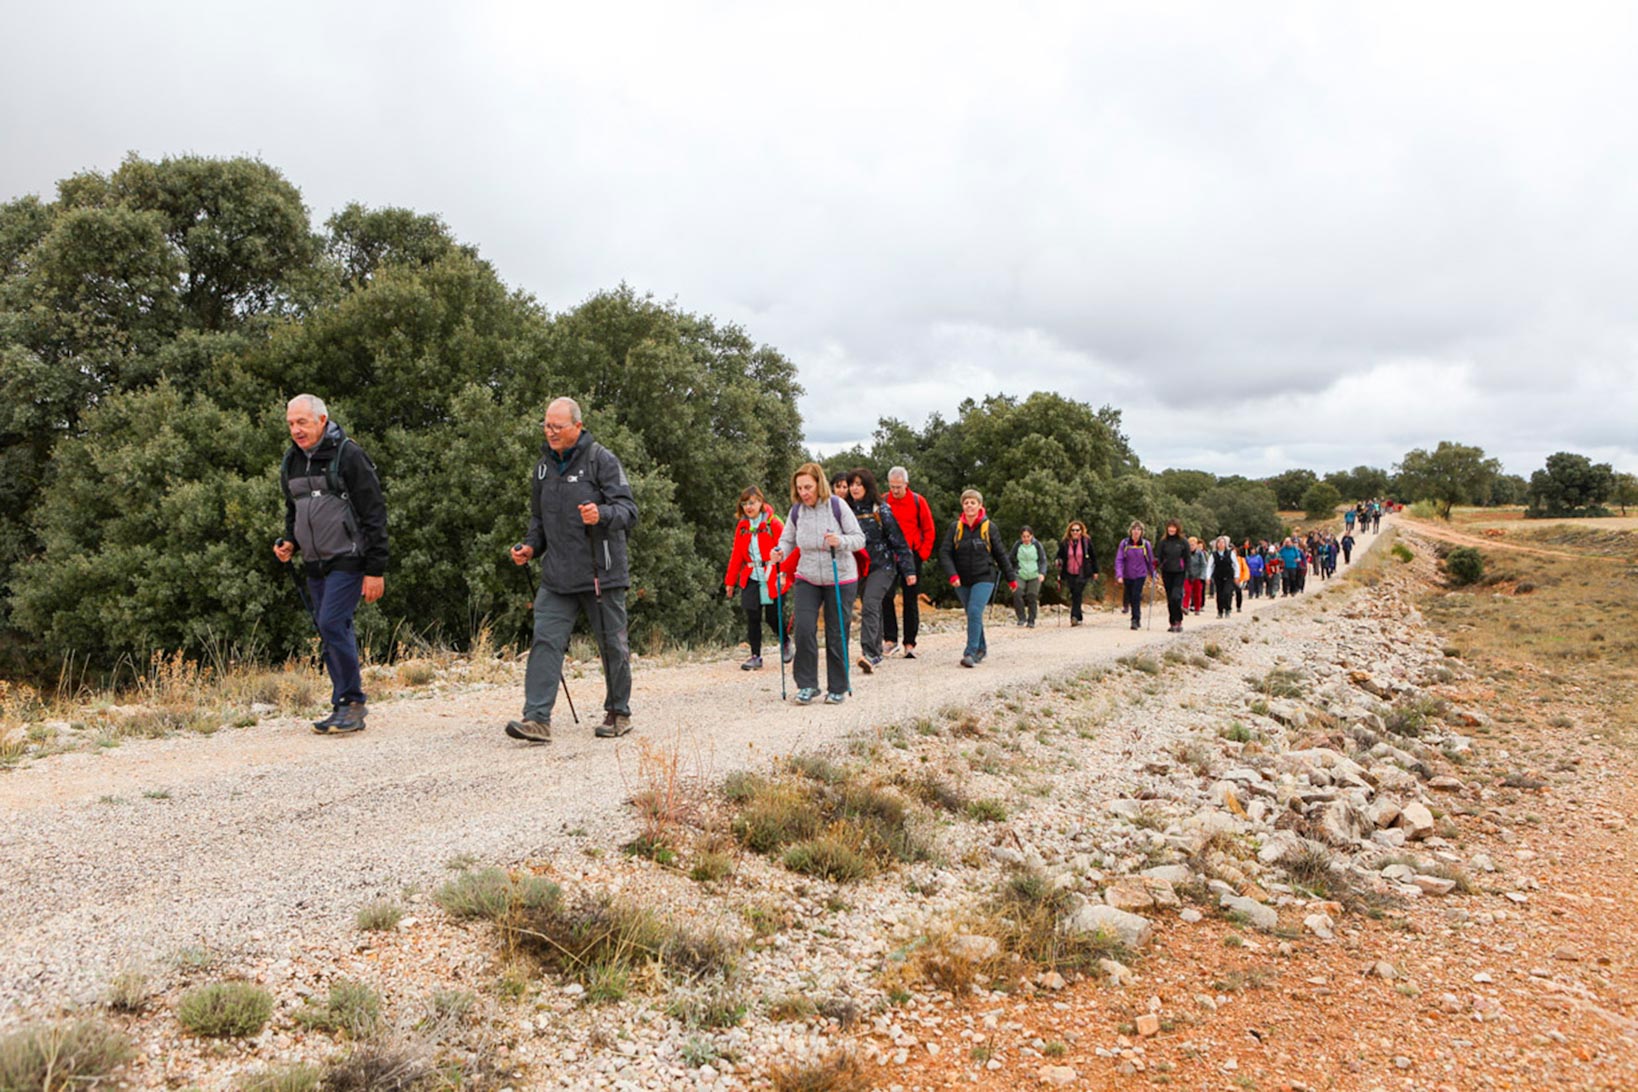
915, 520
767, 541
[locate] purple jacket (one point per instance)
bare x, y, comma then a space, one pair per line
1134, 562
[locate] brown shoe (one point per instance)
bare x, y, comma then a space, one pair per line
530, 731
614, 725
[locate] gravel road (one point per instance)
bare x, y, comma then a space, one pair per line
252, 841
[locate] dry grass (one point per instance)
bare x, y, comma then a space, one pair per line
837, 1072
225, 1010
57, 1057
352, 1009
611, 945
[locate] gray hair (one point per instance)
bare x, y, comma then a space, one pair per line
569, 404
315, 404
899, 472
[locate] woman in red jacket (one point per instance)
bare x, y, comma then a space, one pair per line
750, 574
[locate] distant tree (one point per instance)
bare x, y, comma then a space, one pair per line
1570, 483
1321, 500
1360, 483
1290, 486
1243, 511
1626, 491
1509, 489
1451, 474
1186, 485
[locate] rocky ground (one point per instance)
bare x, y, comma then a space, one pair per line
1305, 848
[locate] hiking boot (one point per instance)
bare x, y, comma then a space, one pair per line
614, 725
979, 657
1030, 624
834, 698
865, 665
752, 664
968, 661
806, 695
529, 731
787, 650
349, 718
1135, 625
909, 652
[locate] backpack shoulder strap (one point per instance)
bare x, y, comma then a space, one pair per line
284, 470
984, 532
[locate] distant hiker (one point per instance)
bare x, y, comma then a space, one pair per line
1134, 565
1242, 576
753, 576
1029, 561
1254, 566
334, 512
890, 562
580, 510
1290, 559
1225, 571
1198, 572
1348, 548
1077, 565
915, 521
1376, 516
1348, 519
1172, 556
972, 556
822, 533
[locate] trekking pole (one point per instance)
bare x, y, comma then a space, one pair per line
1149, 598
562, 678
301, 593
841, 621
779, 614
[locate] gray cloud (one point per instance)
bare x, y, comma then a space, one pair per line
1291, 235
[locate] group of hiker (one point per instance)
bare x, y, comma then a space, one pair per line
842, 540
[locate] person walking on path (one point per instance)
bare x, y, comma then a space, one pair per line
1135, 565
821, 534
972, 556
1225, 571
1254, 566
1172, 556
1348, 518
1077, 565
336, 515
1199, 572
1290, 559
581, 509
1348, 548
1029, 562
915, 521
751, 575
890, 562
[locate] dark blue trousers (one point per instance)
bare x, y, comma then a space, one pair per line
335, 597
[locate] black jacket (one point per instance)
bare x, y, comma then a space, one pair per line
570, 552
1172, 554
346, 534
971, 560
884, 539
1089, 558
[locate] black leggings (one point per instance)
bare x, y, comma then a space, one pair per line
750, 601
1174, 596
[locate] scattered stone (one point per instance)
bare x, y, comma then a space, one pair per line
1119, 973
1446, 783
1130, 894
1148, 1024
1567, 953
1189, 915
1320, 925
1058, 1076
1382, 969
1434, 885
1399, 873
1416, 821
1382, 812
1173, 874
1482, 862
1340, 823
1263, 917
1051, 980
1130, 929
973, 948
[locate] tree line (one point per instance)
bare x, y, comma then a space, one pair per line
155, 319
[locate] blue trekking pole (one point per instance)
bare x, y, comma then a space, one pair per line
841, 620
779, 613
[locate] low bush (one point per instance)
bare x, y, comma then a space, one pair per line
378, 917
838, 1072
493, 894
1465, 565
53, 1057
602, 942
284, 1078
1401, 551
352, 1009
225, 1010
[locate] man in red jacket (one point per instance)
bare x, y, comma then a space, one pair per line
916, 521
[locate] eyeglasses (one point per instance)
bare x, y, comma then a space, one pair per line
557, 428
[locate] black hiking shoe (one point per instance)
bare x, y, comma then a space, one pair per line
614, 725
529, 731
865, 665
348, 719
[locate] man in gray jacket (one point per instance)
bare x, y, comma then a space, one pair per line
580, 510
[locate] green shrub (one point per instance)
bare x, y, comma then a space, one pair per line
284, 1078
833, 855
987, 811
1465, 565
225, 1010
603, 942
352, 1009
54, 1057
378, 917
1401, 551
492, 894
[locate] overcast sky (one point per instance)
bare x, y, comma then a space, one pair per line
1273, 235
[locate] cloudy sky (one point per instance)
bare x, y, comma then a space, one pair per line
1273, 235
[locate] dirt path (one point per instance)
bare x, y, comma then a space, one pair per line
249, 840
1446, 534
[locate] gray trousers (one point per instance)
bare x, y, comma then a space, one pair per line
554, 620
876, 587
811, 601
1028, 595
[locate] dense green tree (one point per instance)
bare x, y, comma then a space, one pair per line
1449, 475
1186, 485
1243, 511
1360, 483
1570, 483
1320, 501
1289, 487
1625, 492
1509, 489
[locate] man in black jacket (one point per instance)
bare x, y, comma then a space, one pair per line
335, 514
580, 510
